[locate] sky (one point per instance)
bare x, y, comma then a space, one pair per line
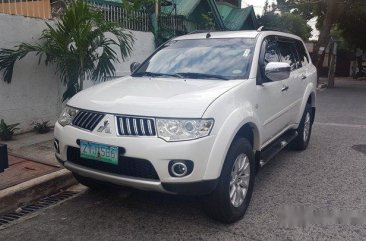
257, 4
258, 8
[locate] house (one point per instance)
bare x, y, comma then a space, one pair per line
225, 15
237, 18
36, 9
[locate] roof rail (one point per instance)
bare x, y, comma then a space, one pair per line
263, 28
199, 31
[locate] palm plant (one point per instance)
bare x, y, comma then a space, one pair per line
79, 44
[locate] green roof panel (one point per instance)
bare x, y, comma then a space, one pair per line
184, 7
235, 18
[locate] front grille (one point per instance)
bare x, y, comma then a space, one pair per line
135, 126
87, 120
127, 166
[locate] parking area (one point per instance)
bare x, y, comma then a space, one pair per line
318, 194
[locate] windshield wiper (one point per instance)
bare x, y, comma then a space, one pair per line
158, 74
202, 76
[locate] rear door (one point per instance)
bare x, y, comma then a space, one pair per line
304, 72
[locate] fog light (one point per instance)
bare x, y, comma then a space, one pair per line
180, 168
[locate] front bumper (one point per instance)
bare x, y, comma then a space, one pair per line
157, 151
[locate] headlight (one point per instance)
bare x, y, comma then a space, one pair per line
67, 116
183, 129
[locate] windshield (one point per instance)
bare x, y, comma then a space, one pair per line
201, 58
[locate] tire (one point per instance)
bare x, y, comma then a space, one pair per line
218, 204
301, 142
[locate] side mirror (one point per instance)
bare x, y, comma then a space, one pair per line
134, 66
276, 71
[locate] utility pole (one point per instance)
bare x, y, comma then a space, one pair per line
157, 8
155, 19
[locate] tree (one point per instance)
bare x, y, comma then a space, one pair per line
78, 46
287, 22
348, 16
146, 5
352, 25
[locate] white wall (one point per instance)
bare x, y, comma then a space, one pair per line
33, 94
35, 91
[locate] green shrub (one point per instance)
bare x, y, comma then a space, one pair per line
7, 131
41, 127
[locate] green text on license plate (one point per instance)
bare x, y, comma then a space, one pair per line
99, 152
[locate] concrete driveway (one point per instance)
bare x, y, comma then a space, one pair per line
326, 185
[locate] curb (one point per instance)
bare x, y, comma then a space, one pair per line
19, 195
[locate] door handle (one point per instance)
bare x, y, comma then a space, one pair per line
284, 88
303, 76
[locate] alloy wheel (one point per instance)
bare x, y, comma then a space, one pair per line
239, 182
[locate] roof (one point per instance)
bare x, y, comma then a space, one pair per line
227, 16
184, 7
237, 18
187, 8
221, 34
236, 34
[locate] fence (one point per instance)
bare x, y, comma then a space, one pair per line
113, 12
129, 19
178, 24
44, 9
29, 8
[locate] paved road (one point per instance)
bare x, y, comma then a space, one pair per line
327, 180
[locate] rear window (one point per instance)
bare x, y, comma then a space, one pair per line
303, 56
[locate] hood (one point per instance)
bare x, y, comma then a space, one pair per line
143, 96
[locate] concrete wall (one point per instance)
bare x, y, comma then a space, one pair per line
35, 91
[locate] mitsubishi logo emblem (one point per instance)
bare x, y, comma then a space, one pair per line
105, 127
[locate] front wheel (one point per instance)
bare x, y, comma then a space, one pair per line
230, 200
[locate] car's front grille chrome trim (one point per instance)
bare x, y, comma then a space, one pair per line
135, 126
87, 120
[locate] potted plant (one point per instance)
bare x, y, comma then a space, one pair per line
41, 127
7, 131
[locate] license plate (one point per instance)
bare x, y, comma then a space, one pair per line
99, 152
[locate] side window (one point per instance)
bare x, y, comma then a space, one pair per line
304, 59
288, 54
271, 53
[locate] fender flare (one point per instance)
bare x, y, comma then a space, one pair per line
309, 93
225, 136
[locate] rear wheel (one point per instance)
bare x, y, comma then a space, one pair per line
301, 142
230, 200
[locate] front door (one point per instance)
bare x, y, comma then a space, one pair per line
271, 96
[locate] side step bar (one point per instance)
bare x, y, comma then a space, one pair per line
276, 146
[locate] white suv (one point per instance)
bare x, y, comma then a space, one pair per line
198, 117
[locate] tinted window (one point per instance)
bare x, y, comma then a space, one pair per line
288, 53
230, 58
304, 59
271, 54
